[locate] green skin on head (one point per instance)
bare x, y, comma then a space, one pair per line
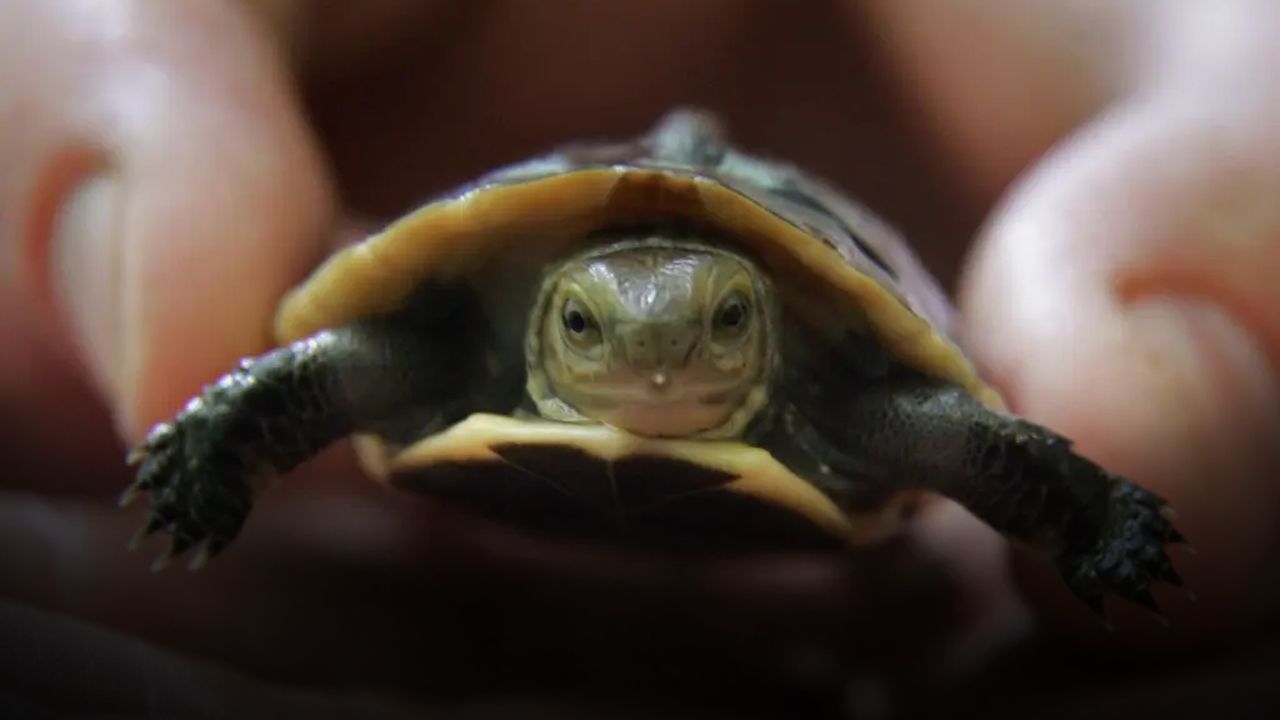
655, 337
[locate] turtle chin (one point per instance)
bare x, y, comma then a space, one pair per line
670, 406
667, 418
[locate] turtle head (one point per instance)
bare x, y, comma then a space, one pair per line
655, 337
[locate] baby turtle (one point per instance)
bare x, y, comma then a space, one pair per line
665, 342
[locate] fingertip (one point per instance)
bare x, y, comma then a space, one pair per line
206, 197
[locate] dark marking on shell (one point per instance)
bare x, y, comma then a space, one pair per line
644, 501
808, 201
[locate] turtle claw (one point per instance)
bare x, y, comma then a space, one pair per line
161, 563
1171, 576
1146, 600
180, 544
136, 455
195, 489
200, 469
199, 560
177, 546
1129, 555
209, 549
131, 493
154, 524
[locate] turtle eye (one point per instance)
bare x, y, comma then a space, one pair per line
578, 324
733, 316
575, 322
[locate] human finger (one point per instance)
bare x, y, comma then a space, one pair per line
1125, 295
164, 191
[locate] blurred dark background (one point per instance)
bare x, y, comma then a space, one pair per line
455, 89
464, 89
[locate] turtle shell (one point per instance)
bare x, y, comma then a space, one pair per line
824, 252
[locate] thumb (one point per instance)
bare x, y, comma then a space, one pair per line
166, 190
1126, 296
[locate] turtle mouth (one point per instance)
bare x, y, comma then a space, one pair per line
670, 392
673, 408
677, 418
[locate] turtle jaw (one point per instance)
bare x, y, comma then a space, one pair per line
663, 403
675, 419
691, 402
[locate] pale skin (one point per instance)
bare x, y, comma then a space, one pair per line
1146, 231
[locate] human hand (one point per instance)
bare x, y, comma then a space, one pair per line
1123, 290
223, 179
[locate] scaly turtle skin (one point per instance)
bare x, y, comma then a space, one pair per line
665, 342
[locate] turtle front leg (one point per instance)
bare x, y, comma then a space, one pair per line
1105, 534
200, 471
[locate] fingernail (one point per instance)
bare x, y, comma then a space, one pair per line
86, 266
